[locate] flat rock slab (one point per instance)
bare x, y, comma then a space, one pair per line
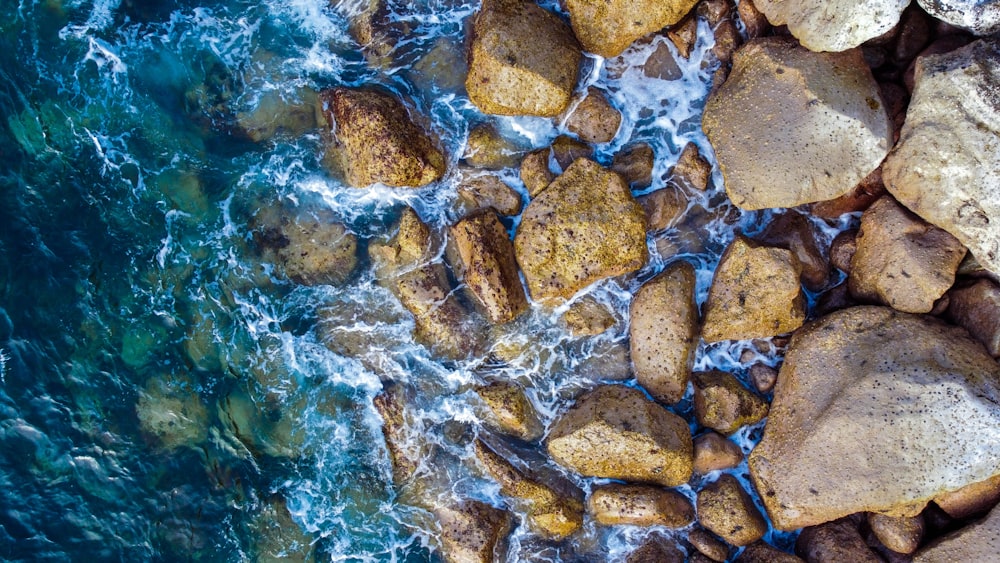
822, 25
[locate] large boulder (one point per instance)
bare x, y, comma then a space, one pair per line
790, 126
484, 260
308, 246
978, 542
608, 27
833, 26
878, 411
616, 432
373, 140
523, 60
584, 227
946, 165
981, 17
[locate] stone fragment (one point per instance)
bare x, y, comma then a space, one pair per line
842, 250
727, 39
401, 432
858, 199
566, 150
834, 26
971, 500
308, 246
485, 263
946, 165
715, 11
488, 190
709, 545
900, 534
760, 552
976, 307
535, 172
755, 294
510, 410
656, 549
588, 317
726, 509
523, 60
876, 411
374, 29
635, 165
713, 452
722, 403
664, 208
487, 148
763, 377
793, 230
976, 542
821, 115
584, 227
834, 541
663, 330
594, 119
981, 17
753, 19
639, 505
692, 170
683, 36
473, 532
608, 28
616, 432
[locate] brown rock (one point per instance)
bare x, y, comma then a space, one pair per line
594, 119
635, 164
373, 140
760, 552
663, 327
901, 260
588, 317
307, 245
692, 170
977, 542
664, 208
899, 534
660, 64
683, 36
727, 39
639, 505
510, 410
764, 377
273, 114
473, 532
793, 231
486, 264
656, 549
971, 500
755, 22
726, 509
858, 199
584, 227
722, 403
566, 150
834, 542
488, 190
535, 172
842, 250
755, 294
374, 29
640, 440
487, 148
715, 11
713, 452
608, 28
975, 305
401, 432
709, 545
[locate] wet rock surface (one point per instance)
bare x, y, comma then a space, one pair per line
722, 403
639, 505
308, 246
511, 411
834, 541
713, 452
473, 531
900, 534
485, 262
977, 542
833, 26
725, 508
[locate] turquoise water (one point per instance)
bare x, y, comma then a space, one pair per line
164, 395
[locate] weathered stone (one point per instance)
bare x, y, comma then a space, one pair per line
635, 164
566, 150
608, 28
755, 294
616, 432
727, 39
820, 114
842, 250
753, 19
713, 452
900, 534
722, 403
692, 170
401, 431
977, 542
523, 60
473, 532
588, 317
792, 230
373, 140
760, 552
594, 119
946, 165
863, 423
373, 28
639, 505
488, 190
834, 26
510, 410
487, 148
981, 17
683, 35
726, 509
971, 500
663, 331
664, 208
656, 549
535, 172
485, 262
307, 245
834, 542
763, 377
584, 227
709, 545
976, 306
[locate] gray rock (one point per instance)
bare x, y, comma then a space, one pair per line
981, 17
833, 25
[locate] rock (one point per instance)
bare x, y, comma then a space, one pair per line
485, 263
663, 331
441, 70
753, 19
858, 199
510, 410
799, 102
727, 39
588, 317
977, 542
709, 545
901, 535
584, 227
273, 115
760, 552
834, 26
374, 140
488, 190
946, 165
565, 151
608, 28
639, 505
171, 412
486, 148
715, 11
981, 17
976, 307
692, 170
683, 36
664, 208
755, 294
713, 452
635, 165
374, 29
656, 549
842, 250
902, 261
594, 119
726, 509
863, 423
473, 532
401, 432
971, 500
792, 230
763, 377
722, 403
523, 60
834, 542
944, 44
535, 172
640, 440
308, 246
276, 536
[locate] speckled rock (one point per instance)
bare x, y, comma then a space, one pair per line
663, 330
901, 260
713, 452
485, 263
308, 246
976, 542
522, 61
664, 208
656, 549
834, 26
373, 140
850, 397
639, 505
760, 552
976, 306
692, 169
488, 190
763, 377
971, 500
635, 164
755, 293
588, 317
946, 165
608, 27
510, 410
981, 17
722, 403
584, 227
707, 544
834, 542
638, 439
473, 532
821, 115
900, 534
594, 119
726, 509
487, 148
535, 172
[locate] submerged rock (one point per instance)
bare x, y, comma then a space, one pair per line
790, 126
487, 148
510, 410
308, 246
473, 532
277, 538
402, 433
726, 509
608, 27
976, 542
876, 411
639, 505
588, 317
692, 169
834, 541
484, 261
172, 413
981, 17
273, 115
833, 26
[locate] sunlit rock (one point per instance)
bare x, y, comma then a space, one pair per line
722, 403
639, 505
833, 26
971, 500
171, 412
484, 261
713, 452
535, 172
976, 306
900, 534
510, 411
307, 245
981, 17
594, 119
487, 148
876, 411
726, 509
975, 542
608, 27
473, 532
834, 541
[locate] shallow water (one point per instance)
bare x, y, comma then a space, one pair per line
165, 396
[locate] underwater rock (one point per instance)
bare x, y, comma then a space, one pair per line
584, 227
264, 426
588, 317
755, 293
307, 245
722, 403
760, 552
535, 172
473, 532
172, 413
976, 542
273, 115
374, 140
981, 17
726, 509
707, 544
635, 165
790, 126
607, 28
834, 541
594, 119
870, 387
833, 26
488, 190
976, 307
663, 331
639, 505
277, 538
946, 165
664, 208
656, 549
484, 261
523, 60
713, 452
900, 534
902, 261
373, 28
487, 148
510, 410
638, 439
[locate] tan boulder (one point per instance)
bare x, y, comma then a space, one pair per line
707, 544
663, 331
713, 452
608, 28
639, 505
484, 260
588, 317
487, 148
473, 532
726, 509
976, 542
790, 126
876, 411
308, 246
976, 306
833, 542
510, 410
833, 26
535, 172
594, 119
584, 227
523, 60
374, 140
635, 165
760, 552
899, 533
755, 294
902, 261
656, 549
488, 190
638, 439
